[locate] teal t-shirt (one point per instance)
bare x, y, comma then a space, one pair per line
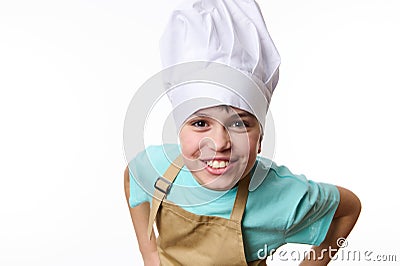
283, 208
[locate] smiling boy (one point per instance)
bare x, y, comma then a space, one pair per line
199, 190
218, 144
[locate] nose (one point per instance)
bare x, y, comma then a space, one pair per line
221, 138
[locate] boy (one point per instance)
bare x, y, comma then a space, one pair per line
201, 202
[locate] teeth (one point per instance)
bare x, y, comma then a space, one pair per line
218, 164
215, 164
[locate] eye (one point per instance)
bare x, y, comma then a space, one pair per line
239, 124
199, 123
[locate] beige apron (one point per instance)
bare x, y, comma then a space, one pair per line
189, 239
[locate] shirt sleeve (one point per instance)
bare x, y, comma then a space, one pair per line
137, 194
310, 219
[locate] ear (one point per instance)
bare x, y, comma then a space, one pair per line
259, 143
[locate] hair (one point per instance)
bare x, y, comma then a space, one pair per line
225, 107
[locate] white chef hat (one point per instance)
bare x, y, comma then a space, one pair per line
229, 41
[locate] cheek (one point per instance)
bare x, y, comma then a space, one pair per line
257, 144
255, 149
240, 143
246, 143
189, 143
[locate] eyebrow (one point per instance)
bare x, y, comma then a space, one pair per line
240, 114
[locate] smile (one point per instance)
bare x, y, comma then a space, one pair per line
216, 164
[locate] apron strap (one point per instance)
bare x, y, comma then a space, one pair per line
162, 187
241, 199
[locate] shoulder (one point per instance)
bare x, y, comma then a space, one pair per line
286, 198
280, 186
155, 157
268, 175
151, 163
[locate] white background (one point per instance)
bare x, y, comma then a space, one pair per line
68, 70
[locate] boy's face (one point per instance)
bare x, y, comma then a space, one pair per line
220, 145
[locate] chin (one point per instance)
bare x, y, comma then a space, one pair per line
222, 182
219, 187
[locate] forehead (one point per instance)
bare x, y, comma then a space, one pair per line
223, 111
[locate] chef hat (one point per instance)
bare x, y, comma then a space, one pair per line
231, 40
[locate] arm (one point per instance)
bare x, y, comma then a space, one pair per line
343, 222
140, 218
